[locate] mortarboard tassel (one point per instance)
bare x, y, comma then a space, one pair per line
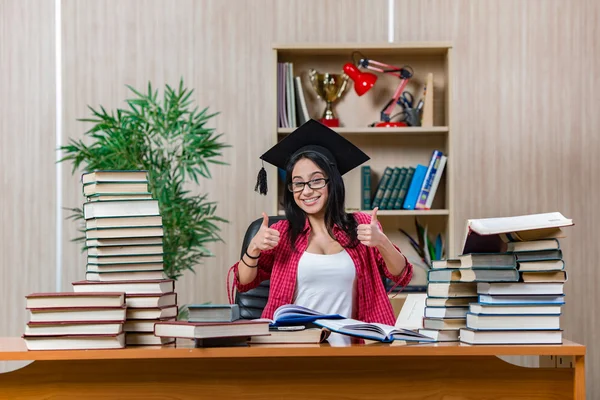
261, 181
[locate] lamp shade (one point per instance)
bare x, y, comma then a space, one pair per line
363, 81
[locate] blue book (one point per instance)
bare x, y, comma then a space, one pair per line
522, 300
415, 187
291, 314
371, 331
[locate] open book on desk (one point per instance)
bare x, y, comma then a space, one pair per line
372, 331
291, 314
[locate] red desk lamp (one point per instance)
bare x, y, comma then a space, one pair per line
364, 81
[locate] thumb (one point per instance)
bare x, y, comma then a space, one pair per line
374, 215
265, 222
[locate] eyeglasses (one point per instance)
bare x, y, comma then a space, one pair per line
313, 184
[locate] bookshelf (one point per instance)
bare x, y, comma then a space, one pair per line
394, 147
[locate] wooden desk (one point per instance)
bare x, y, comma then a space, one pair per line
423, 371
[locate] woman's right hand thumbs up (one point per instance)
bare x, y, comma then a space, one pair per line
265, 239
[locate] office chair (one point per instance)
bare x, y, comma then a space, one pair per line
252, 302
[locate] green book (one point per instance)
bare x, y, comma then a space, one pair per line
389, 188
365, 187
387, 174
397, 187
404, 189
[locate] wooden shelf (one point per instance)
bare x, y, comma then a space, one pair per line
436, 130
399, 213
398, 147
374, 49
409, 213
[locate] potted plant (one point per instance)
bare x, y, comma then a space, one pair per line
169, 138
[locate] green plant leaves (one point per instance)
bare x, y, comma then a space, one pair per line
169, 139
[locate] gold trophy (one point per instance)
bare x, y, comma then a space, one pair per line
329, 87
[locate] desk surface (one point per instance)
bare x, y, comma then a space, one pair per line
13, 348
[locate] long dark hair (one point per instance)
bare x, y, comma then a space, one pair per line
334, 208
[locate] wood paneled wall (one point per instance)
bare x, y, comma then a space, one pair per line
111, 43
525, 124
27, 143
525, 131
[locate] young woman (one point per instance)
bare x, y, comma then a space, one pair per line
321, 257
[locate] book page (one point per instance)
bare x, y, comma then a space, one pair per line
412, 312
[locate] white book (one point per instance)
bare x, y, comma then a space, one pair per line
129, 259
76, 314
124, 250
73, 328
143, 325
150, 300
512, 322
114, 176
291, 94
123, 222
146, 339
74, 300
129, 267
449, 335
111, 276
491, 235
113, 233
129, 287
520, 288
75, 342
129, 208
203, 330
113, 188
477, 308
152, 313
436, 181
510, 337
301, 101
128, 241
443, 312
412, 312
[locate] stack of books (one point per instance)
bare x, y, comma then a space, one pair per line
66, 321
520, 296
517, 266
447, 301
124, 234
212, 325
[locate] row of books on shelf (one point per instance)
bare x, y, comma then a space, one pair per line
509, 293
407, 188
291, 103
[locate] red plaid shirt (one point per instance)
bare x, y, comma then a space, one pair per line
280, 265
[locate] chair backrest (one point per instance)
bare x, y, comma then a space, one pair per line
252, 302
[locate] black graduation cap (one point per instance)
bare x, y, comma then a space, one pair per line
312, 136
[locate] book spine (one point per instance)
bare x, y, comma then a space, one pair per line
436, 182
404, 188
396, 190
366, 187
387, 174
413, 192
428, 180
388, 189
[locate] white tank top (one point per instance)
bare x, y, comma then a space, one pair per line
326, 283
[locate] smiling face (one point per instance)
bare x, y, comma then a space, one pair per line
311, 201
